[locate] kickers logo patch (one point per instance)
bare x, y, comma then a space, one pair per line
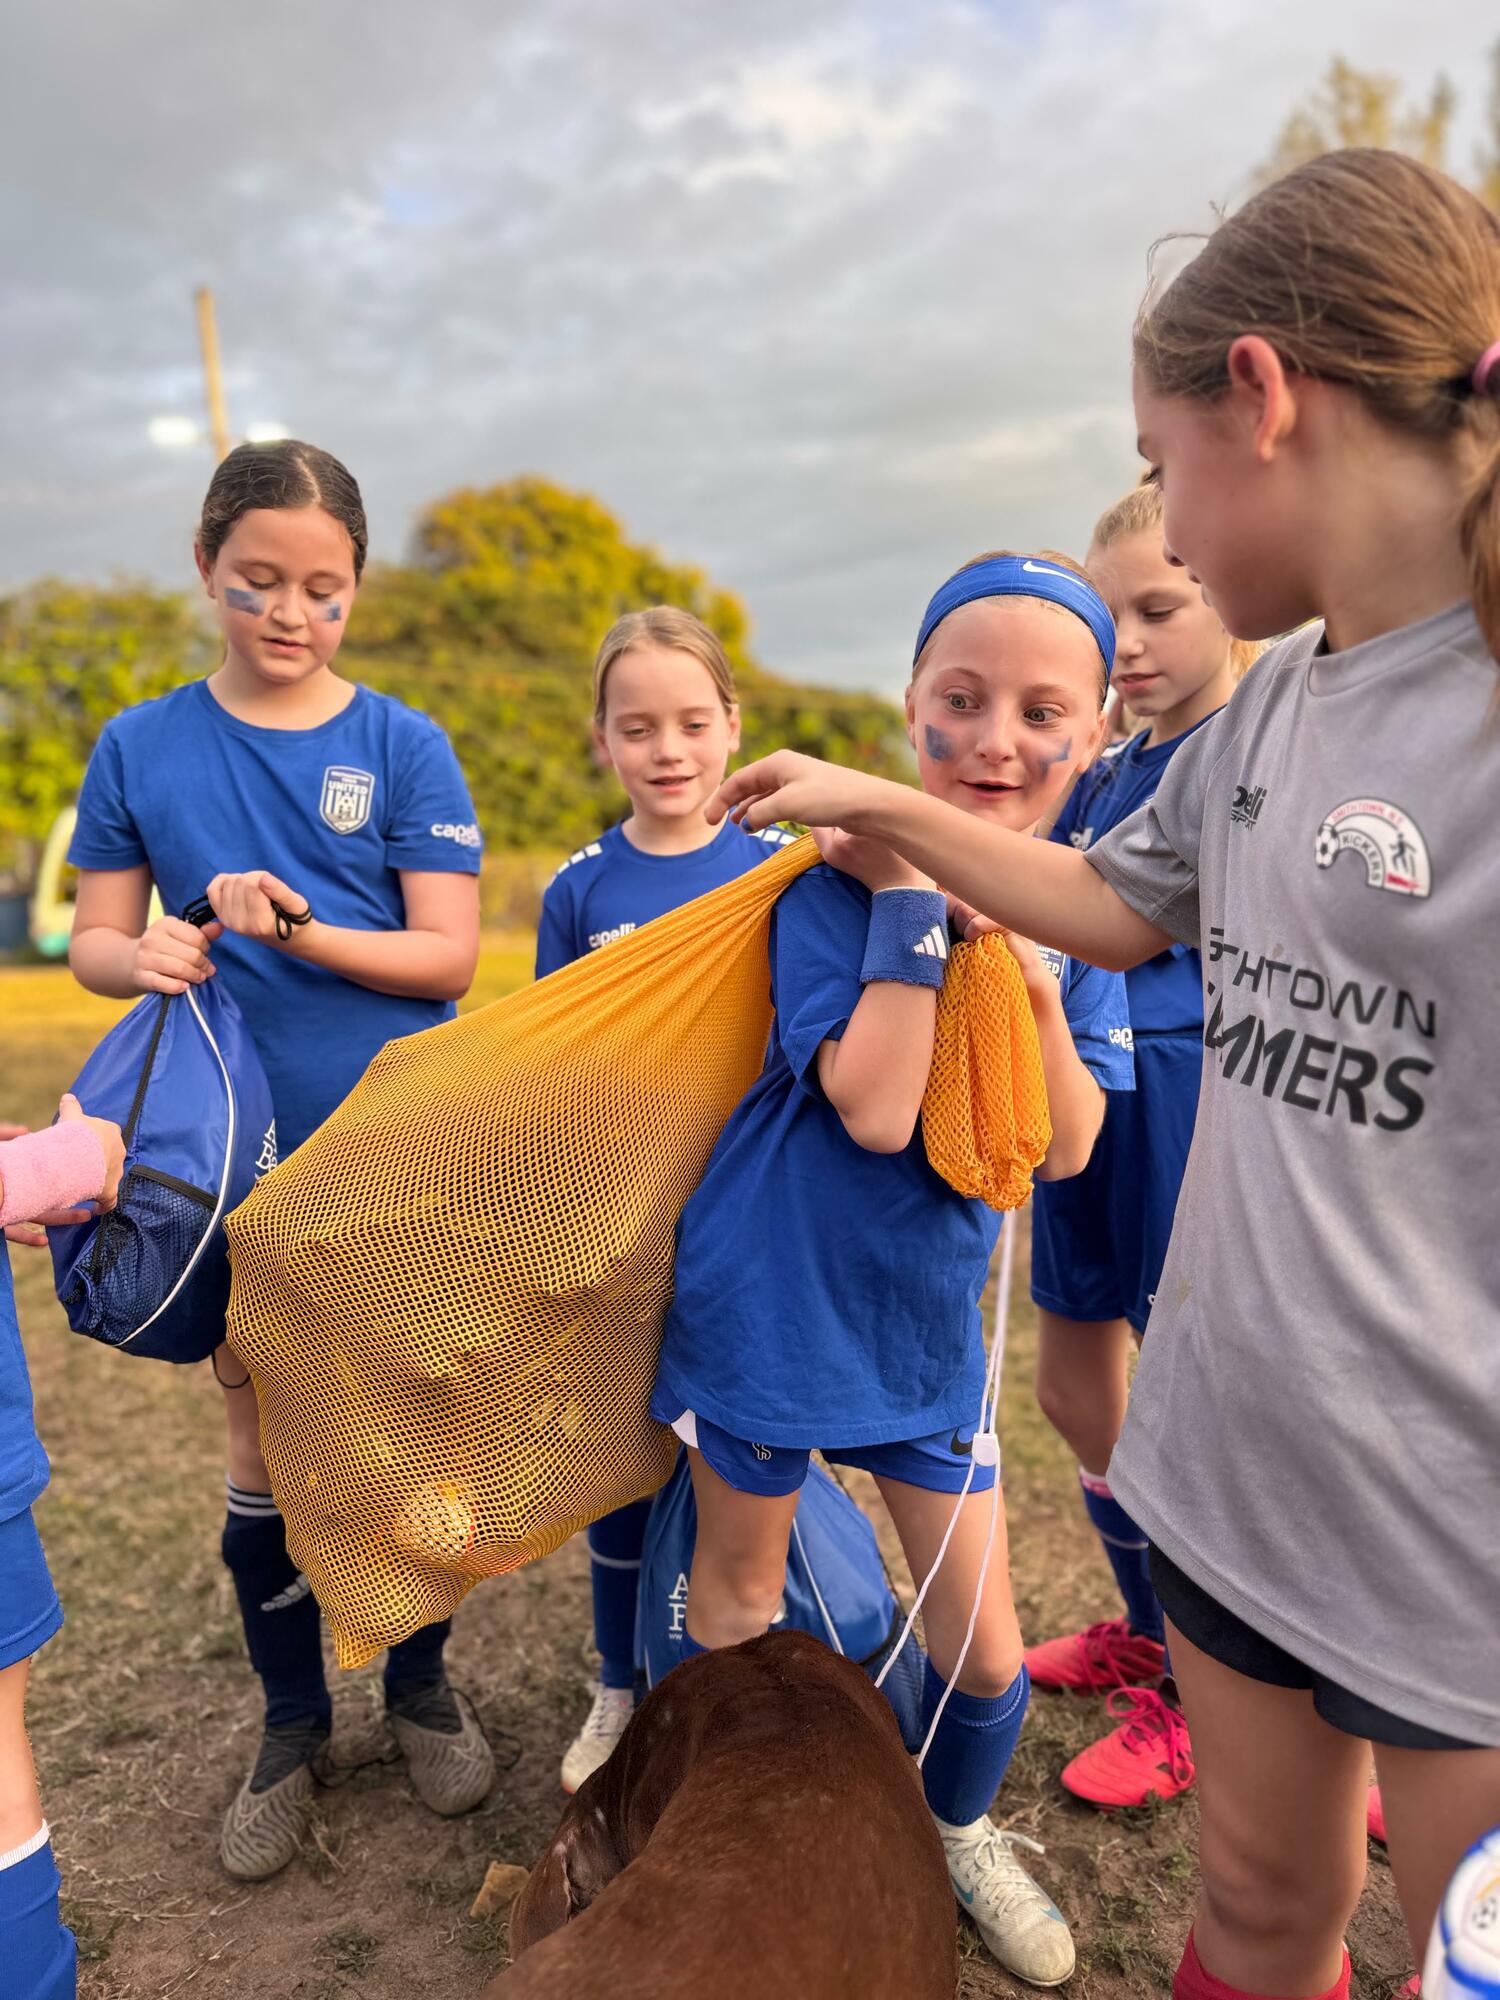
1384, 838
347, 796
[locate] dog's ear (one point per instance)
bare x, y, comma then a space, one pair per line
579, 1863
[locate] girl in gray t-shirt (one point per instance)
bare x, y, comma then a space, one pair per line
1313, 1442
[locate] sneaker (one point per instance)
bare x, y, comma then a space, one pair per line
447, 1757
602, 1729
267, 1817
1375, 1816
1148, 1756
1020, 1923
1103, 1656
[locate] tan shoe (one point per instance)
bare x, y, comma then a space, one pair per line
450, 1763
267, 1818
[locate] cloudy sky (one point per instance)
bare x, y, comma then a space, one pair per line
823, 296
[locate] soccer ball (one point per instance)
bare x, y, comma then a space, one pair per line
1327, 846
1463, 1959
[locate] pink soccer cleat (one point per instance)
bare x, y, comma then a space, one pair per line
1094, 1661
1148, 1756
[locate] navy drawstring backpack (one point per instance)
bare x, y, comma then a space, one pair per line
182, 1079
836, 1588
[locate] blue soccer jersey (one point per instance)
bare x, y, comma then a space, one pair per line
1098, 1241
339, 812
1166, 992
610, 888
827, 1295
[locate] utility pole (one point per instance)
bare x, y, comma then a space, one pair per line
213, 385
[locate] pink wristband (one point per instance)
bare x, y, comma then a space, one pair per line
57, 1168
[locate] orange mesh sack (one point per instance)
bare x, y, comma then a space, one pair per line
451, 1296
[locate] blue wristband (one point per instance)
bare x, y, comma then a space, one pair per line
908, 938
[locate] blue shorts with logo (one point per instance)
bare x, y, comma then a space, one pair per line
29, 1610
1098, 1241
939, 1463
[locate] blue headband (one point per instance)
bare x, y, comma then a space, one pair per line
1021, 576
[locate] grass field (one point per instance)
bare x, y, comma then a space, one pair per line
144, 1712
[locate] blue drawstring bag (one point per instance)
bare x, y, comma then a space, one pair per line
181, 1077
836, 1588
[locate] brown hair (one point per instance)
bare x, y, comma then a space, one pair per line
663, 625
1139, 512
1013, 555
1363, 267
283, 473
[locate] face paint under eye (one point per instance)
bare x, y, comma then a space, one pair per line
939, 746
332, 613
1059, 756
245, 600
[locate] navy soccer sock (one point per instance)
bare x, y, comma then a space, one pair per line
615, 1545
972, 1749
1128, 1552
416, 1662
37, 1948
283, 1627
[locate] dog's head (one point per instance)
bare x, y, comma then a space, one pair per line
580, 1861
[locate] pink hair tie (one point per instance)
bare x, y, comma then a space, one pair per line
57, 1168
1481, 376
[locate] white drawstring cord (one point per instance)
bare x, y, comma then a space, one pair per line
984, 1451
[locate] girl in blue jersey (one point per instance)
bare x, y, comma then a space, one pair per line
667, 719
334, 836
828, 1280
1098, 1241
42, 1174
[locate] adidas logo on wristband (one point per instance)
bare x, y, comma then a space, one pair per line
934, 944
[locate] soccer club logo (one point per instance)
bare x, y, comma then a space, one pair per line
347, 793
1384, 838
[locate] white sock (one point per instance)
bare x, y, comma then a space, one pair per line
27, 1848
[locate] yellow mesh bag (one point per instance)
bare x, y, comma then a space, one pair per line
451, 1296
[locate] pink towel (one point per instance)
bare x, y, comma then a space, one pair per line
57, 1168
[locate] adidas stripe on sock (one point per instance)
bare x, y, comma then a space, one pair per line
283, 1627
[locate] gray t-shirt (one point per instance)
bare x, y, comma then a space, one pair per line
1314, 1432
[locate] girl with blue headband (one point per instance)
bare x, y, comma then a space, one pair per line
828, 1280
1312, 1445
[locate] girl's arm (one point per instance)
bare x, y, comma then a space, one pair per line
114, 952
1043, 890
1074, 1097
875, 1074
432, 958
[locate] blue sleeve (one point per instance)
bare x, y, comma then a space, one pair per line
433, 827
556, 936
817, 946
106, 835
1098, 1017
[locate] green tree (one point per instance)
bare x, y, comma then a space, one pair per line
70, 658
530, 569
1354, 107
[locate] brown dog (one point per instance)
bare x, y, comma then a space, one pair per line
759, 1834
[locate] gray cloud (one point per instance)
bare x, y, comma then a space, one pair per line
823, 296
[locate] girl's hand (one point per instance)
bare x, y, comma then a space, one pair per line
790, 785
111, 1144
971, 924
868, 861
243, 903
32, 1235
172, 955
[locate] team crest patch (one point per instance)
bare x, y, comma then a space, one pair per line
1388, 842
347, 795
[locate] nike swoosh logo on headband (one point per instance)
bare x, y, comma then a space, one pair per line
1043, 569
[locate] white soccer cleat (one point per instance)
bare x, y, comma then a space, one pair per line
605, 1725
1021, 1925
